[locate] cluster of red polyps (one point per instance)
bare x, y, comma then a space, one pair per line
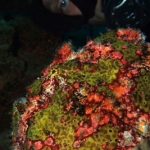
129, 34
99, 108
39, 144
63, 54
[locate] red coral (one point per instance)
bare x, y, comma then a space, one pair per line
124, 47
63, 54
124, 62
116, 55
83, 131
95, 97
129, 34
38, 145
49, 141
119, 90
139, 52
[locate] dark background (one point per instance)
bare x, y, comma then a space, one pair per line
24, 51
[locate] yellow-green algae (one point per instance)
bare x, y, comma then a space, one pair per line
141, 95
109, 37
85, 75
128, 52
36, 86
106, 90
48, 121
46, 148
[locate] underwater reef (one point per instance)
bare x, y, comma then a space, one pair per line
96, 98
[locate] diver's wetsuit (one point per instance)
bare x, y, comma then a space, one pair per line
87, 7
60, 23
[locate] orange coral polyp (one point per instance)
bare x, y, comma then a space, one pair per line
63, 54
95, 97
104, 120
88, 110
107, 104
119, 90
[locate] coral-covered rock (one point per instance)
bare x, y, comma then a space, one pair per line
96, 98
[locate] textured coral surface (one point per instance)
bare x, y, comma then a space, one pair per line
96, 98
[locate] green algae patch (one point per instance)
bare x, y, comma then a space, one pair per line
128, 49
52, 120
35, 87
129, 53
109, 37
44, 122
141, 95
106, 134
48, 121
91, 73
106, 90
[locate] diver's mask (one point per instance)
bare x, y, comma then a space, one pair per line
126, 13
